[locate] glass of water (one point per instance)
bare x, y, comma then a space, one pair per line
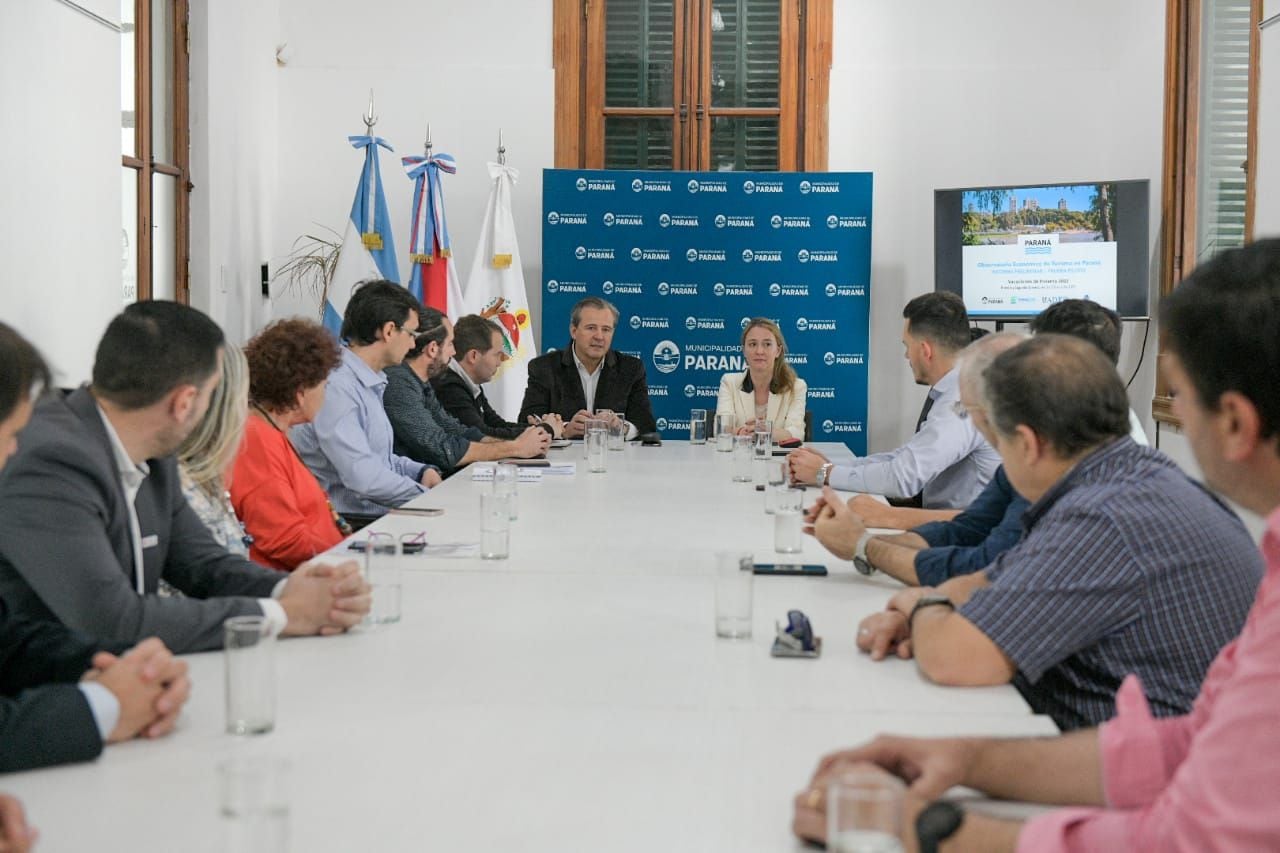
506, 482
764, 428
724, 433
864, 813
735, 578
255, 803
591, 424
495, 526
698, 426
777, 474
787, 517
382, 571
618, 435
597, 450
742, 456
251, 675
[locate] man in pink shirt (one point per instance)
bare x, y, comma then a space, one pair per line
1204, 781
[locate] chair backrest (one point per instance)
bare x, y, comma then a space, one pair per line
808, 425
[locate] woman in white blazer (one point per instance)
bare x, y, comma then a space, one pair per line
768, 388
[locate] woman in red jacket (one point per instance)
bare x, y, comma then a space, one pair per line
276, 497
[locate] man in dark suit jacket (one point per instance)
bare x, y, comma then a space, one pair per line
478, 354
61, 694
589, 376
92, 516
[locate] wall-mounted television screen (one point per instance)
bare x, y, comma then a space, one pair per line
1010, 252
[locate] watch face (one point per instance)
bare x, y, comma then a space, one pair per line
863, 567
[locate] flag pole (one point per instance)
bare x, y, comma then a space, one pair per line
370, 120
502, 150
426, 146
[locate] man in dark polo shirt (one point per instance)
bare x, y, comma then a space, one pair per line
1126, 566
589, 377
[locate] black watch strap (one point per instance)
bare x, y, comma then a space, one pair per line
937, 822
930, 601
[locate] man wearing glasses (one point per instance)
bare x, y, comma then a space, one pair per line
349, 445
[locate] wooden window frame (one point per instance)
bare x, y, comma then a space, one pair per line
144, 163
1181, 138
804, 85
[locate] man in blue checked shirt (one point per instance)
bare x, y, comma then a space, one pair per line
1125, 566
349, 445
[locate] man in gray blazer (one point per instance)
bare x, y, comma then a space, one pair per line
62, 695
92, 517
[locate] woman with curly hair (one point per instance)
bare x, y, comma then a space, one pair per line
274, 494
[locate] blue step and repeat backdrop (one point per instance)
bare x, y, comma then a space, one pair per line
689, 257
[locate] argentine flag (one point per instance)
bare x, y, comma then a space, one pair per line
368, 248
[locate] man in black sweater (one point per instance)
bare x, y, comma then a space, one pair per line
478, 354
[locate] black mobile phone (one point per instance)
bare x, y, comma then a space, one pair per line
808, 569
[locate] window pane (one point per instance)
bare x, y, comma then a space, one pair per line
745, 49
164, 197
1224, 121
744, 144
639, 53
128, 76
162, 80
637, 143
129, 236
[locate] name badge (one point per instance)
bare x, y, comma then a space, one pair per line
150, 541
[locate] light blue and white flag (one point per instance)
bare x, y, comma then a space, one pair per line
368, 247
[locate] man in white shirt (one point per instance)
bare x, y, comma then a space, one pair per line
947, 462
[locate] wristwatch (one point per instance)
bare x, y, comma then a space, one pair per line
860, 562
930, 601
823, 472
937, 822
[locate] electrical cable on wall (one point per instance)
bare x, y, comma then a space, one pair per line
1146, 330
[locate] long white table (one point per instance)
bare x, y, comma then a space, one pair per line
572, 697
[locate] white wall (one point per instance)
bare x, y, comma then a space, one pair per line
60, 169
986, 92
234, 145
485, 65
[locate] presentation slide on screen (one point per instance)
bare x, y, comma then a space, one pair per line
1027, 248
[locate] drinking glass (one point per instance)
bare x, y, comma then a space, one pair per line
724, 433
698, 426
742, 456
777, 474
251, 675
618, 435
382, 571
254, 804
495, 526
787, 515
734, 580
864, 813
597, 441
506, 479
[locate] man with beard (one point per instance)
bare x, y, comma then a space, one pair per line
92, 517
423, 429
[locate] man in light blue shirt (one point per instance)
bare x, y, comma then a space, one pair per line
947, 462
349, 445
